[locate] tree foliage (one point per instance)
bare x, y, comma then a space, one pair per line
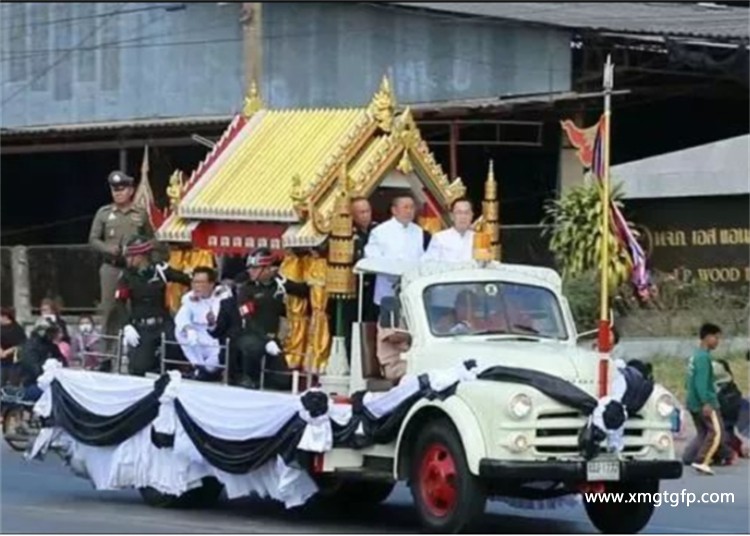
574, 223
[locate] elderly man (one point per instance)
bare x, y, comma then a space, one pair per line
399, 240
457, 243
194, 321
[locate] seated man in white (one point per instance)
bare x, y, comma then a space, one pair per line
198, 307
457, 243
399, 240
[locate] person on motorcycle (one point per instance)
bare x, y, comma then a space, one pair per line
260, 298
41, 346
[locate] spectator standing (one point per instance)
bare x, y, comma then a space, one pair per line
702, 401
12, 337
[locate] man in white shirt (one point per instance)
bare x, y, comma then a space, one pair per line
192, 322
398, 239
457, 243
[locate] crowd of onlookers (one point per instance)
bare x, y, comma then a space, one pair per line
24, 351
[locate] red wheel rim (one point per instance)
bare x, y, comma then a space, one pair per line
437, 480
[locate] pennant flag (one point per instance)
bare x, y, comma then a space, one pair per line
144, 196
591, 144
582, 139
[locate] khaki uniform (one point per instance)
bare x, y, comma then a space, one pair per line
113, 226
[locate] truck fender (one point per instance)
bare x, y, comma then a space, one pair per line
458, 412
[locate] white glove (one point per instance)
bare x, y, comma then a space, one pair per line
272, 348
131, 336
280, 288
192, 337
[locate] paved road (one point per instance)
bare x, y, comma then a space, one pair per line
44, 497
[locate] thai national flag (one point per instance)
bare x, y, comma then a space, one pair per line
637, 255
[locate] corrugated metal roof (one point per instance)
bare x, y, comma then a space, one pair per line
114, 125
678, 19
255, 178
719, 168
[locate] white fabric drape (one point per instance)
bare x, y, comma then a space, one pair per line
233, 414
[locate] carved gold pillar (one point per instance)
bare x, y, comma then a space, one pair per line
292, 267
491, 213
319, 337
339, 276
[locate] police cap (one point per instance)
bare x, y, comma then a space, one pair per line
120, 179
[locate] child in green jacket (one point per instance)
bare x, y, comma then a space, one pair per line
702, 402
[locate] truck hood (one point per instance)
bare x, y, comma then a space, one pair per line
568, 362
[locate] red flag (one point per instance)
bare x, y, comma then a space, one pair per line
582, 139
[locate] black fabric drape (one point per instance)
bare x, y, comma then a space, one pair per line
239, 457
385, 429
556, 388
103, 431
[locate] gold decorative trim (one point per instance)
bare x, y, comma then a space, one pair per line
383, 106
404, 165
175, 190
253, 102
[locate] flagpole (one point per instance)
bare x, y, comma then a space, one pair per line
604, 324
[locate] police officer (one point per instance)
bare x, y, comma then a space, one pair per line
113, 226
143, 285
260, 298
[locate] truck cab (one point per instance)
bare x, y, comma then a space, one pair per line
495, 437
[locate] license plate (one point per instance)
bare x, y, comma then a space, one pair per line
602, 470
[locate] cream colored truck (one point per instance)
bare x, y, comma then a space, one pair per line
493, 439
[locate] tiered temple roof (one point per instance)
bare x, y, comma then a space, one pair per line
281, 170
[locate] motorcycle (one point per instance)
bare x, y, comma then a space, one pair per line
20, 425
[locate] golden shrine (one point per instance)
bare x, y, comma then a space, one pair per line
283, 179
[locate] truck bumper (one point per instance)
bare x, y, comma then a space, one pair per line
575, 471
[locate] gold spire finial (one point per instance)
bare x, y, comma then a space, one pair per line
491, 212
253, 102
490, 186
383, 105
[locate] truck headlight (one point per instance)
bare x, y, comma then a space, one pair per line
665, 405
520, 405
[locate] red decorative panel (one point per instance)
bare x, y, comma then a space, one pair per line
237, 238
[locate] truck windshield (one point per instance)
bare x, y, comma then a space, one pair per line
493, 308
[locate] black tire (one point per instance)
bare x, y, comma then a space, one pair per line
448, 498
12, 417
337, 491
623, 517
205, 496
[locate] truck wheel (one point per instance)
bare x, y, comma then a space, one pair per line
205, 496
447, 496
622, 517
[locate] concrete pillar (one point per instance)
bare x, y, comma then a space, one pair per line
571, 170
252, 44
21, 284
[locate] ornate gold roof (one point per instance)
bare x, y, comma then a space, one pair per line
285, 165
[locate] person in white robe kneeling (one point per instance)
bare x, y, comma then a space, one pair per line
193, 321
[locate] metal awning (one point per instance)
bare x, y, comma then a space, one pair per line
508, 101
76, 128
719, 168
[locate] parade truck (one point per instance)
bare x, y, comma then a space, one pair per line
497, 399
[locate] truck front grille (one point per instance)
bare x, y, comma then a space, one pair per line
557, 434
